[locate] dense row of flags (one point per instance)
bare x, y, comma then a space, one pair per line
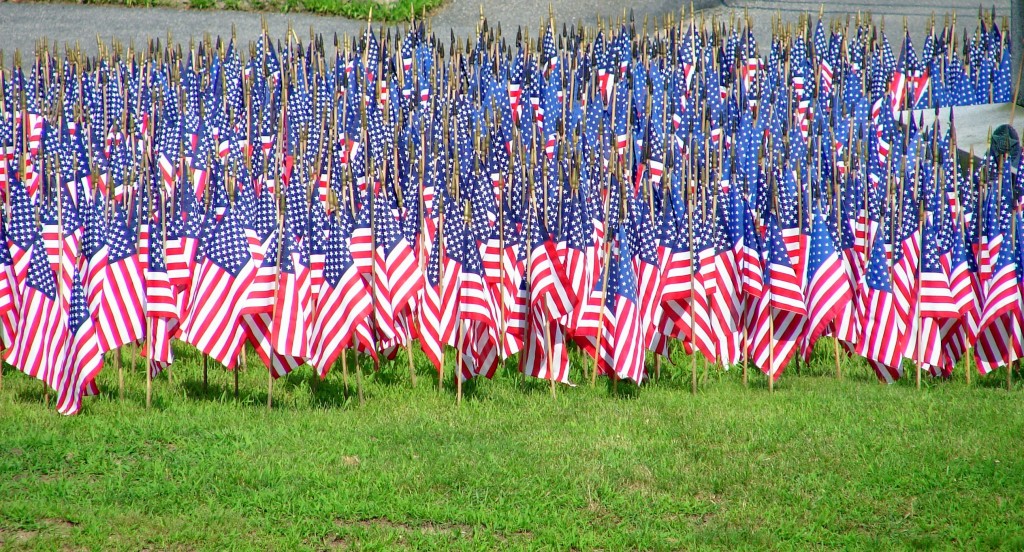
602, 189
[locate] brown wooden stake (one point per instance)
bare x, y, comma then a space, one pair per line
120, 374
693, 374
270, 387
206, 377
771, 354
745, 355
458, 387
551, 360
839, 370
967, 365
1009, 375
149, 386
440, 372
412, 367
359, 383
458, 367
344, 373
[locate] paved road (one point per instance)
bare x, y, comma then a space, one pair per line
23, 24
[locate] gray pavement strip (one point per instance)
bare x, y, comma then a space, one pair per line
22, 25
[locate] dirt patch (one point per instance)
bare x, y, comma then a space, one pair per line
432, 528
330, 543
602, 514
464, 530
385, 523
59, 523
12, 537
514, 536
351, 461
16, 536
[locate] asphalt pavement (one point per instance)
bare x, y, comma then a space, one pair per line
22, 25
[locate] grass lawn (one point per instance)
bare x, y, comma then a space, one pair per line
821, 463
384, 10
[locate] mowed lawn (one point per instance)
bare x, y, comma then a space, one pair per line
821, 463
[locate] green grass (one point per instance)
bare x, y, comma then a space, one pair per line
399, 10
821, 463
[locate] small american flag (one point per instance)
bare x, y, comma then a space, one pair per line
213, 320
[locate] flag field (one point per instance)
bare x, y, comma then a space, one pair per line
820, 463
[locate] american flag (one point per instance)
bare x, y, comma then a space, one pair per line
829, 290
38, 345
543, 355
825, 61
161, 303
749, 250
548, 283
625, 323
213, 321
439, 306
702, 334
999, 341
780, 314
121, 316
23, 233
9, 297
475, 302
784, 287
724, 292
343, 303
647, 266
314, 246
83, 359
397, 275
936, 296
478, 311
293, 302
880, 321
184, 230
961, 288
580, 257
94, 254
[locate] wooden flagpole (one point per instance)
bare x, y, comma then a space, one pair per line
691, 189
344, 372
149, 374
237, 368
359, 380
120, 374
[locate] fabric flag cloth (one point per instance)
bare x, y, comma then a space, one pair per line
626, 329
293, 303
780, 311
83, 359
161, 303
344, 302
38, 348
121, 316
999, 340
880, 320
611, 327
829, 290
213, 321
